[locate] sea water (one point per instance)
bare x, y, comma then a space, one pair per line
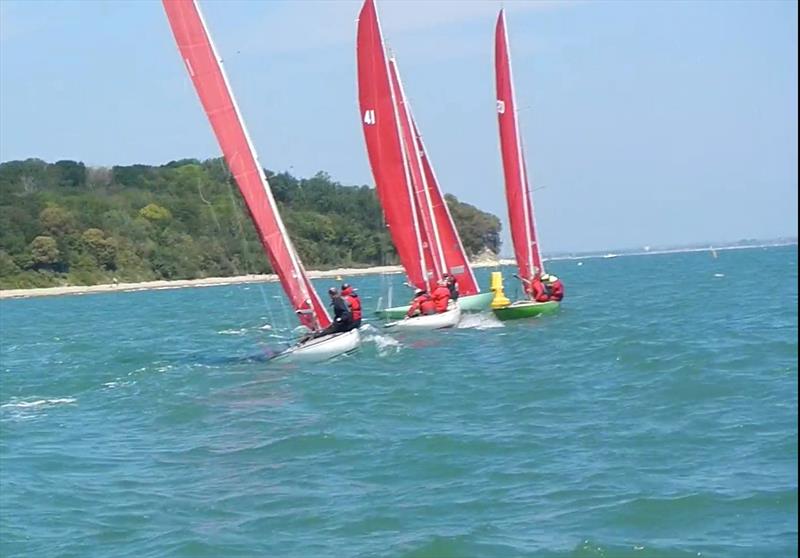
655, 415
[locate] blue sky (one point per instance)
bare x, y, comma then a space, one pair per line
645, 123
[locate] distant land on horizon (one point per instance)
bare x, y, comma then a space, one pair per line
642, 250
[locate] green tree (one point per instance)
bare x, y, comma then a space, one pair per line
154, 212
7, 265
44, 251
104, 250
185, 219
56, 220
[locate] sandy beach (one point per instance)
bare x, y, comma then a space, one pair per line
208, 281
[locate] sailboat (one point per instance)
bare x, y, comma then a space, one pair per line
518, 195
416, 214
211, 83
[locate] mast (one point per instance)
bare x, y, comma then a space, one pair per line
211, 83
520, 205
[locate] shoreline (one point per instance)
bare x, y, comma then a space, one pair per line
208, 281
312, 274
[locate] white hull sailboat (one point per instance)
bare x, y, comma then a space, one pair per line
415, 210
205, 68
429, 322
321, 348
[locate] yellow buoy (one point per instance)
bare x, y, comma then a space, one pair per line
500, 300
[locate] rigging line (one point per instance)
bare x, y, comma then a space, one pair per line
237, 212
209, 204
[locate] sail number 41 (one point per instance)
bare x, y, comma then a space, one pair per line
369, 116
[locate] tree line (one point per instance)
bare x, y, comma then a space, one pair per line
66, 223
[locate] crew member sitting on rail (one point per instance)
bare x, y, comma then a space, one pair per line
342, 318
452, 284
351, 298
441, 296
421, 305
555, 288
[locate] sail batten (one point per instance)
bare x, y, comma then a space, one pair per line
518, 196
207, 73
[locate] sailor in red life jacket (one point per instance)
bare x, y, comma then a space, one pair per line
441, 296
535, 289
351, 297
421, 305
452, 284
555, 287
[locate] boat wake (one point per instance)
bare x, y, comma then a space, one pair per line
384, 344
484, 320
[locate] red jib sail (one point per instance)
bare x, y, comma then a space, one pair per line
380, 122
453, 250
518, 196
431, 245
205, 68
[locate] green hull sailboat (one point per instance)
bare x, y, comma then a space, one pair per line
526, 309
518, 195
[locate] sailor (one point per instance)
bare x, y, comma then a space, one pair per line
452, 284
342, 318
421, 305
555, 288
351, 298
535, 288
441, 296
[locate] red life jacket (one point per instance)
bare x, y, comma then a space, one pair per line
354, 302
538, 291
441, 296
416, 305
556, 290
428, 306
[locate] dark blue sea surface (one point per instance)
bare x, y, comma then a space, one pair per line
654, 416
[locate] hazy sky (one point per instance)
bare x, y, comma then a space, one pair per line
645, 123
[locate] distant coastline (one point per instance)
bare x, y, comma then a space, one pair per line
342, 272
675, 250
213, 281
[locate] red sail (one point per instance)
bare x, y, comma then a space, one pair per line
520, 205
380, 121
454, 255
205, 68
431, 245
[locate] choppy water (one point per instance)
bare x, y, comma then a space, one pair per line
662, 423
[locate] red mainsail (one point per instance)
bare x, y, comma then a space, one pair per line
518, 196
208, 76
380, 122
418, 218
